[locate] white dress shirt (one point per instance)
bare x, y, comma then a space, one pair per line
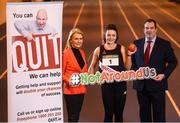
152, 44
30, 27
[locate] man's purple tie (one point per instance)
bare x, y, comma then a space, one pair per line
146, 54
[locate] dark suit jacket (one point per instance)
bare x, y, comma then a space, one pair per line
162, 58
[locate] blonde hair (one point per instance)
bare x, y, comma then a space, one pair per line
71, 33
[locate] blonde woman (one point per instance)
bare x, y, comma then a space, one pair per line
73, 62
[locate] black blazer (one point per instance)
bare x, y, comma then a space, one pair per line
162, 58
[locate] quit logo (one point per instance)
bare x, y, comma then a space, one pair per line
42, 53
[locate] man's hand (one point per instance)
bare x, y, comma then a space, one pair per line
159, 77
30, 37
53, 34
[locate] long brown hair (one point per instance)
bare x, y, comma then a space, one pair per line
110, 27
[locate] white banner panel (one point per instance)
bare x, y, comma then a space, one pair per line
34, 38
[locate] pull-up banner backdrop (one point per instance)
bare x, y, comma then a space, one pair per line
34, 55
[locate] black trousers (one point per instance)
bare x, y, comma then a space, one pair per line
74, 104
152, 106
114, 97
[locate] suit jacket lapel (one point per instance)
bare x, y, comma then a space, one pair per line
154, 51
140, 57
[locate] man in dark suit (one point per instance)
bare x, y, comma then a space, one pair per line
157, 53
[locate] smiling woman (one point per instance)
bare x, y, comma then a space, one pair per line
77, 40
73, 62
112, 55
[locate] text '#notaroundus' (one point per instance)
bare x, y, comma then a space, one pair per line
109, 77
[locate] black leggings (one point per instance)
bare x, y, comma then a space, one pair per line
74, 104
114, 97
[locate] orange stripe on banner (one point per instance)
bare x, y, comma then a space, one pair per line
173, 4
166, 12
101, 23
173, 102
3, 74
127, 21
101, 19
79, 14
65, 5
4, 36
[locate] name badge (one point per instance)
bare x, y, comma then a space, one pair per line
110, 60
